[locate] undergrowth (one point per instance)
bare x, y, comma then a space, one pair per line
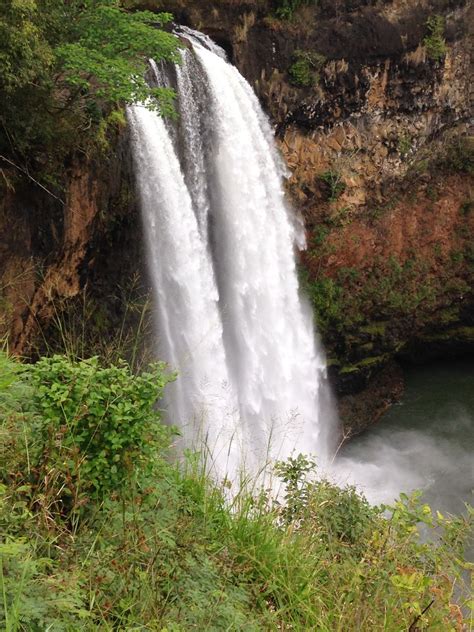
304, 71
355, 297
103, 530
434, 41
285, 9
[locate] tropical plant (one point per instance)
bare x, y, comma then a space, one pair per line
434, 41
173, 550
286, 8
304, 70
64, 65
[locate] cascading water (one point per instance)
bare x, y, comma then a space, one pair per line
188, 318
221, 249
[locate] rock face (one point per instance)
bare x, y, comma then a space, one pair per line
371, 104
54, 252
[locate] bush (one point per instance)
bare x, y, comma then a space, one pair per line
327, 299
286, 8
434, 42
83, 431
304, 71
459, 155
341, 514
334, 183
405, 144
64, 66
98, 424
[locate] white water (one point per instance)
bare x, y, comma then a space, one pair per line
221, 247
188, 320
192, 135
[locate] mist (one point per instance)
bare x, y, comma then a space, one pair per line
424, 443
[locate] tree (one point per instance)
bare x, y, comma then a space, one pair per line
65, 65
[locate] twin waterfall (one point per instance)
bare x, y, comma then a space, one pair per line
220, 243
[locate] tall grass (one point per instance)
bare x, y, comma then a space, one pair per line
166, 548
112, 327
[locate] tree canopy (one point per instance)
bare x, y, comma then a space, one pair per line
63, 65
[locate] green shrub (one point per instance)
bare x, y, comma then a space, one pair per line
434, 42
327, 299
341, 514
335, 184
286, 8
98, 423
459, 155
404, 144
79, 431
304, 71
63, 66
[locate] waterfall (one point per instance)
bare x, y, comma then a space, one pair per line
221, 248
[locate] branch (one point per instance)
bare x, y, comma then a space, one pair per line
345, 436
413, 627
32, 179
72, 95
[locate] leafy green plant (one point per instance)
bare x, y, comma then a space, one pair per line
404, 144
33, 599
304, 70
434, 42
64, 66
341, 513
287, 8
340, 216
81, 431
105, 58
98, 423
459, 155
326, 297
336, 186
10, 385
114, 121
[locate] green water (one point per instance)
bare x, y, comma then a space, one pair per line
425, 442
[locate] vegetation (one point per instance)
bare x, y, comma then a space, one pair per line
101, 527
405, 144
64, 66
407, 294
336, 186
101, 530
113, 322
327, 300
458, 155
304, 71
466, 207
388, 290
434, 42
286, 9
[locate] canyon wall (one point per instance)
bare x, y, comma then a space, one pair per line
71, 268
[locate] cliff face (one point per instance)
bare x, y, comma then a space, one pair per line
61, 259
370, 102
